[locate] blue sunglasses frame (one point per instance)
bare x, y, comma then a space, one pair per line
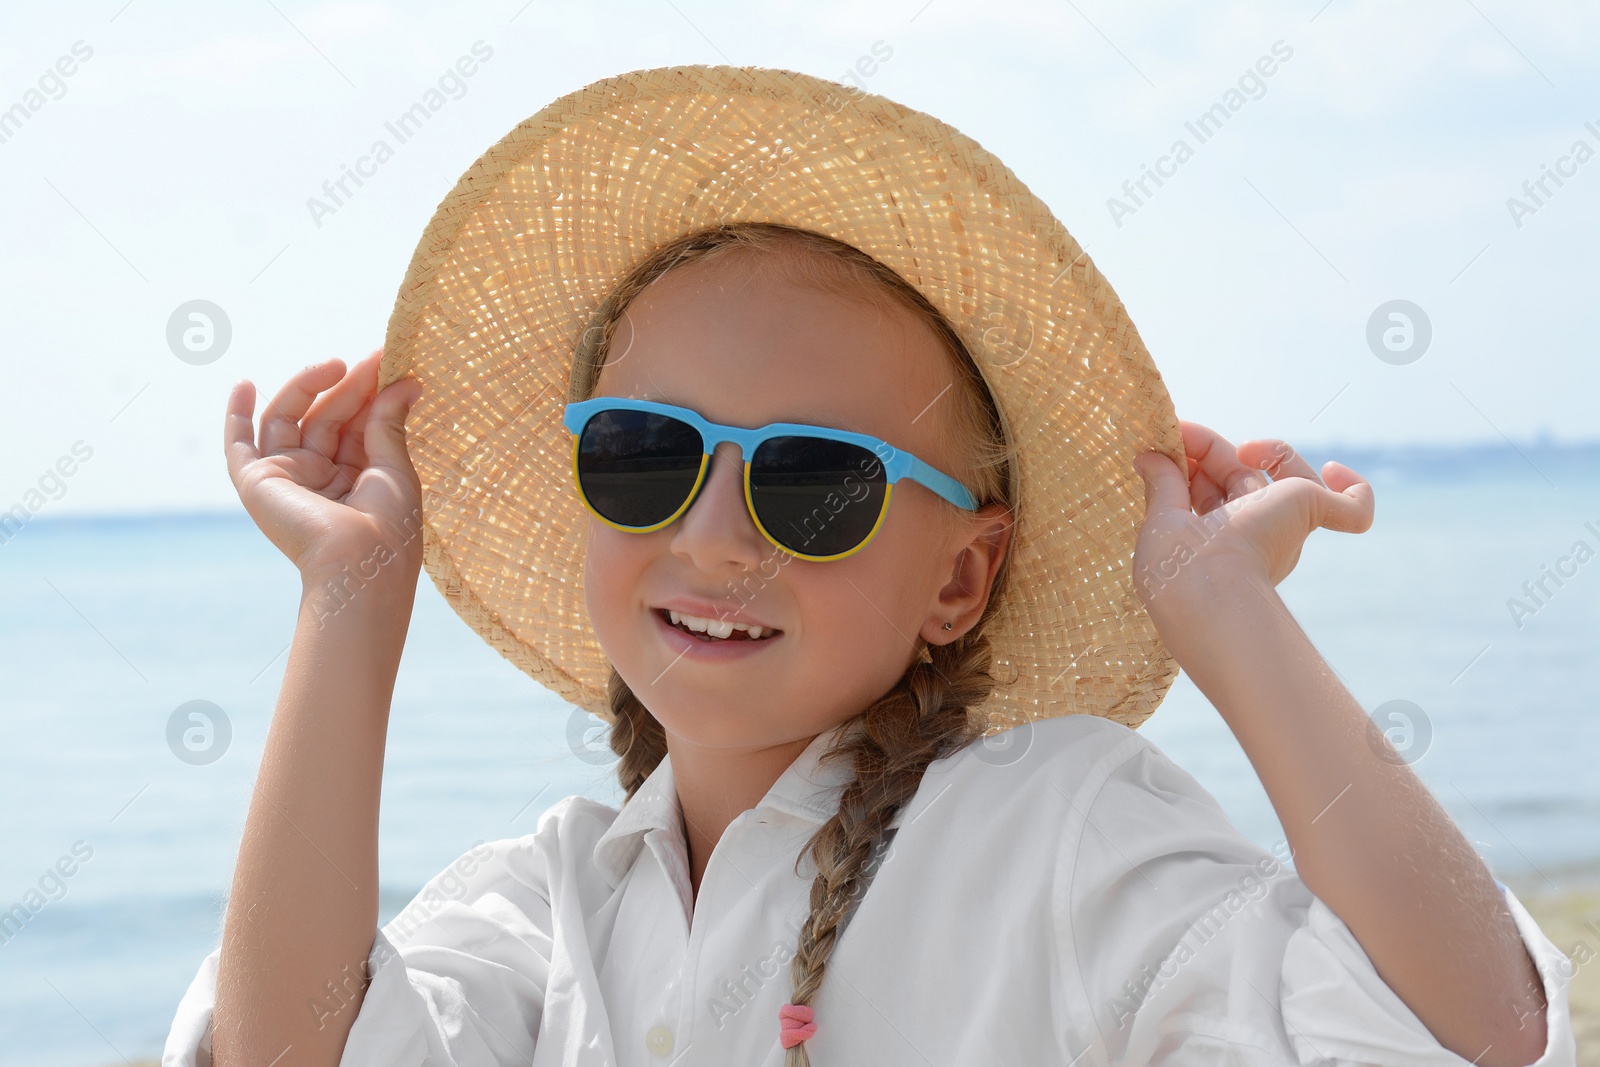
897, 463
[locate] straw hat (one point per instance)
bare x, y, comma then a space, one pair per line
538, 230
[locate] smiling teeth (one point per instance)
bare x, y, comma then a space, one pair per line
722, 630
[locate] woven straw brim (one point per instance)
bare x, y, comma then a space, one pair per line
539, 229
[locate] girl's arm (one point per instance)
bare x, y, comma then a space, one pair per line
1366, 834
1368, 837
331, 486
304, 904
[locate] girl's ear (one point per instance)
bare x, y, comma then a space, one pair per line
978, 551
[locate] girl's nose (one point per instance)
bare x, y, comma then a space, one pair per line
717, 528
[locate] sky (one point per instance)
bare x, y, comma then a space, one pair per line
1376, 160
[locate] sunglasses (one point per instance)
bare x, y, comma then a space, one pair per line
815, 492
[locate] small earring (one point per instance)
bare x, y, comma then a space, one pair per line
947, 626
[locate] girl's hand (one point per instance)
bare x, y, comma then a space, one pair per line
330, 482
1230, 515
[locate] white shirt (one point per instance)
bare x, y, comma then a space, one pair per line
1074, 898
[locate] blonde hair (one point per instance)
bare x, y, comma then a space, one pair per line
924, 717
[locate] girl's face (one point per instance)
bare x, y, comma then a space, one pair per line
739, 343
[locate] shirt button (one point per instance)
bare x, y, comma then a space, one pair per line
659, 1040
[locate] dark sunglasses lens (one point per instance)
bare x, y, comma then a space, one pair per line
636, 467
817, 497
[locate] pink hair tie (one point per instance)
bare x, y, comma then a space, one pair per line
797, 1024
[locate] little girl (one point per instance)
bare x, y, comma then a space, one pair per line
837, 529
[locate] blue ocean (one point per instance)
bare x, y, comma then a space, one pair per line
1467, 620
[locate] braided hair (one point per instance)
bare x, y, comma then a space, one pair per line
925, 716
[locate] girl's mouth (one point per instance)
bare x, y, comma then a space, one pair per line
696, 645
733, 632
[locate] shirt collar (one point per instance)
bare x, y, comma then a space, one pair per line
808, 789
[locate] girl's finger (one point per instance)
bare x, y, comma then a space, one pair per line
1277, 458
333, 409
352, 446
1218, 460
238, 430
1348, 508
1163, 482
280, 420
1204, 492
